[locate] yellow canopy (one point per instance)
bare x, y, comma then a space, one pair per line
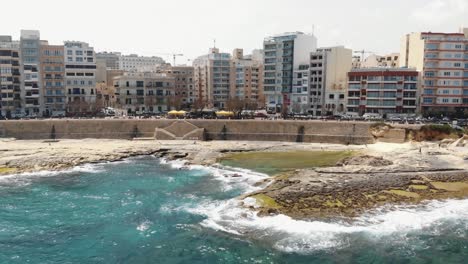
224, 113
175, 112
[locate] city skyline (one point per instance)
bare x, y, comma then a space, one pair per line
147, 27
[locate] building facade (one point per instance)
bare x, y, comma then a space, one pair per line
382, 91
184, 86
442, 59
52, 72
10, 78
300, 97
138, 93
80, 75
247, 78
282, 55
31, 84
328, 79
135, 63
212, 73
110, 60
387, 61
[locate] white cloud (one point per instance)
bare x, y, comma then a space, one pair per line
437, 11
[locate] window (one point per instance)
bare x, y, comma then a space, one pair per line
79, 53
331, 96
140, 84
427, 100
69, 52
457, 64
446, 73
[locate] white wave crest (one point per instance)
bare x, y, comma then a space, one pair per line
24, 179
291, 235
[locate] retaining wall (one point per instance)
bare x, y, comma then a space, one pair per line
261, 130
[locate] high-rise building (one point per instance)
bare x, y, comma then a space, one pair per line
212, 73
382, 91
283, 54
80, 74
301, 99
443, 62
52, 73
10, 78
328, 79
138, 93
31, 85
247, 77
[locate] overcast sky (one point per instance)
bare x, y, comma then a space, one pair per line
148, 27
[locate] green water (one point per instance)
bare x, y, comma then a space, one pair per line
141, 211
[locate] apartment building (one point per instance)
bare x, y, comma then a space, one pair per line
328, 79
283, 54
135, 63
184, 85
212, 73
442, 59
80, 75
247, 74
10, 78
52, 73
110, 60
382, 91
138, 93
31, 85
300, 98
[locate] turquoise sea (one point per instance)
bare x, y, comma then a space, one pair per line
144, 210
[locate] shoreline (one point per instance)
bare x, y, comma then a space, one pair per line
408, 173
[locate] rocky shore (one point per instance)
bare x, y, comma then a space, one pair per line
384, 174
375, 175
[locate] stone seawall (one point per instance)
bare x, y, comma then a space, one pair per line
261, 130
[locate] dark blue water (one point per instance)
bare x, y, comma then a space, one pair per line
142, 211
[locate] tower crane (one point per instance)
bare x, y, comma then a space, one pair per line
174, 55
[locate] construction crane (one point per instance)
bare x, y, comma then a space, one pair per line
174, 55
363, 52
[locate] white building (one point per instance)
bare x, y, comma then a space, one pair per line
135, 63
377, 61
80, 76
328, 79
282, 55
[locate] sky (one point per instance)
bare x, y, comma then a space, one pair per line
152, 27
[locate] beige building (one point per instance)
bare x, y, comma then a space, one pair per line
52, 70
184, 85
138, 93
10, 78
441, 58
247, 78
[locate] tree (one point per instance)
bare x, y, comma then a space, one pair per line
174, 102
236, 105
150, 102
199, 104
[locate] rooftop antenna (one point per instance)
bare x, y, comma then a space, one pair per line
313, 29
214, 43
